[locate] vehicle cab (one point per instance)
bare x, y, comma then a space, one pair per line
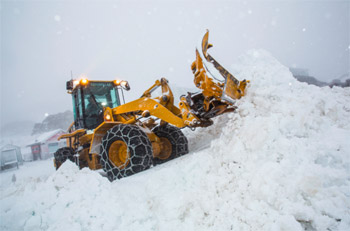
91, 97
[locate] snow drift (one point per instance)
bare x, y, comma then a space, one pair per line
281, 162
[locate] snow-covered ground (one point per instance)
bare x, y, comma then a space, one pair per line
282, 162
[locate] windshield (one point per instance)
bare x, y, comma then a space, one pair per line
100, 94
89, 101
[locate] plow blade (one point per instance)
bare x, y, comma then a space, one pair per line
219, 88
233, 88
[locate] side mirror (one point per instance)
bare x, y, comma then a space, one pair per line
125, 85
69, 85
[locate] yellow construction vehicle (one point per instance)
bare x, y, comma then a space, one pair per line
124, 139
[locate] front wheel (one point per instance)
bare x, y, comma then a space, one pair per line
125, 150
63, 154
175, 143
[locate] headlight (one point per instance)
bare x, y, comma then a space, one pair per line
123, 83
108, 117
84, 81
75, 83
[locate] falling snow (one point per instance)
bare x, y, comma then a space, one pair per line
279, 163
57, 18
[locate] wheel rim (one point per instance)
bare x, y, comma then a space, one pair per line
166, 149
118, 154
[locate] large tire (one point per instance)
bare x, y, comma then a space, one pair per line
125, 150
63, 154
179, 143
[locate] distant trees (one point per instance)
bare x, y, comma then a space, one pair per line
60, 120
339, 83
310, 80
302, 75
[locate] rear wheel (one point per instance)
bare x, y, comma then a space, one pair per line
125, 150
175, 143
63, 154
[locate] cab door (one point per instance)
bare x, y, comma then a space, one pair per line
78, 109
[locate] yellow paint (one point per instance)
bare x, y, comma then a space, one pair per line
118, 154
75, 133
154, 108
217, 96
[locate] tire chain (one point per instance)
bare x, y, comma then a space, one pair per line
62, 154
176, 138
139, 149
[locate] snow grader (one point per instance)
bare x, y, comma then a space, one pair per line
124, 139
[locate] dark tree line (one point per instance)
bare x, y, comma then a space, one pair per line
56, 121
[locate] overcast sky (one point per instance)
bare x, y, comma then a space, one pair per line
141, 41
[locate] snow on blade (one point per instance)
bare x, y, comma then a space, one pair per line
280, 163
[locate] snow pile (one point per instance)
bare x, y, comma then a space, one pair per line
280, 163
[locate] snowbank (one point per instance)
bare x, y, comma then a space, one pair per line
280, 163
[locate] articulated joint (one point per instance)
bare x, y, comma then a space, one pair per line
188, 117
